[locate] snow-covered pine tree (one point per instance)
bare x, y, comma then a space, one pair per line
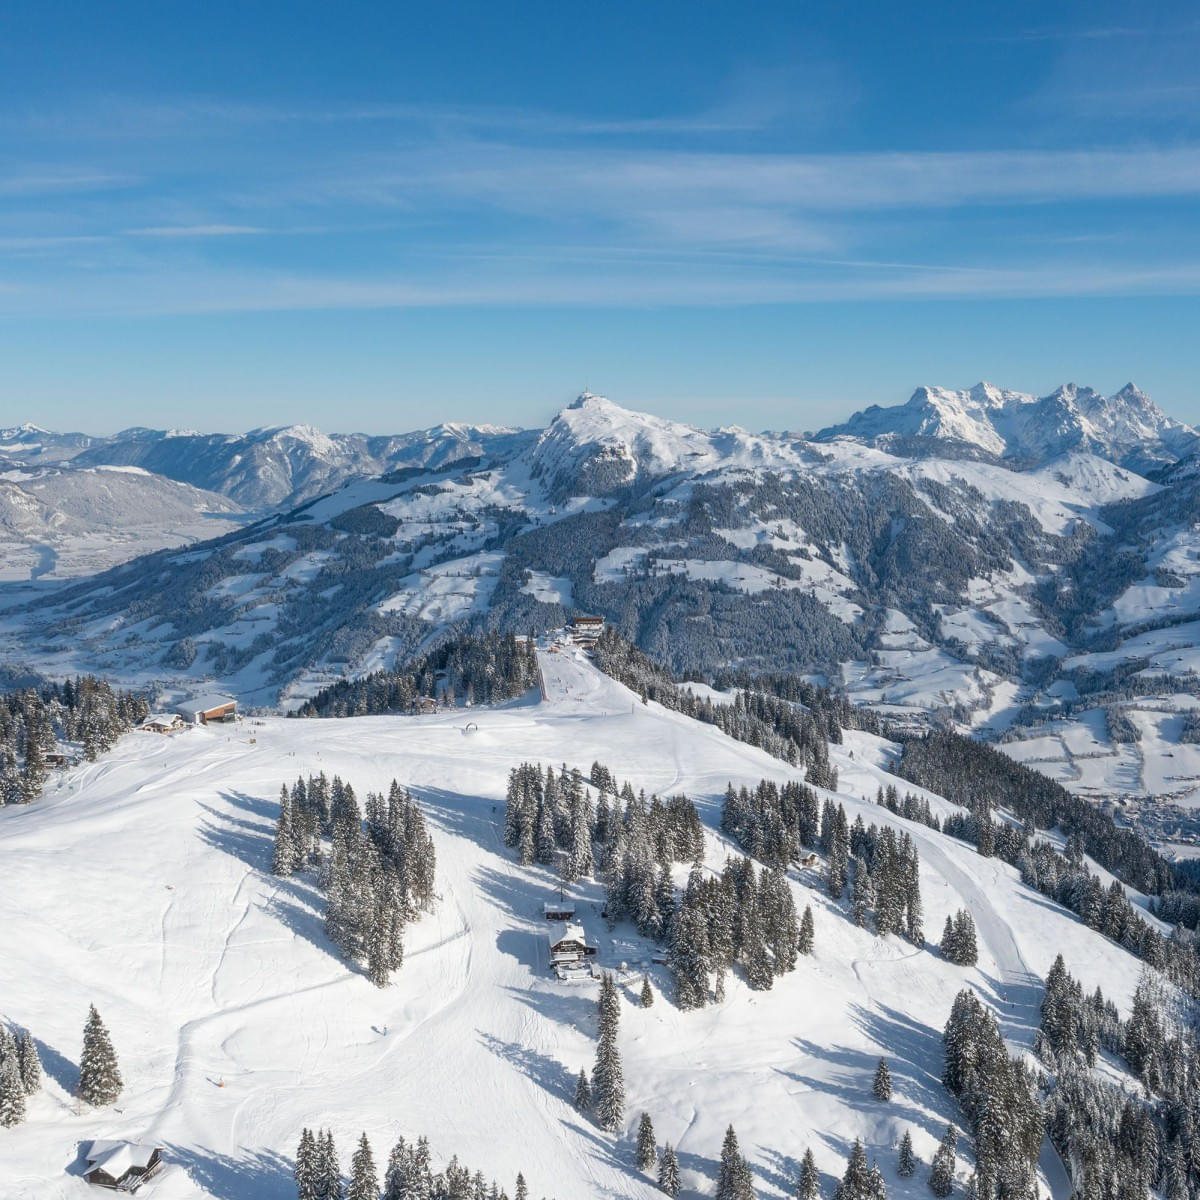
99, 1076
734, 1181
906, 1165
284, 859
305, 1172
12, 1094
647, 1148
329, 1171
881, 1086
941, 1173
364, 1182
668, 1171
608, 1084
804, 942
856, 1181
28, 1063
808, 1186
646, 998
522, 1192
583, 1091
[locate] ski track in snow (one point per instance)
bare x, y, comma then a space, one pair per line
229, 979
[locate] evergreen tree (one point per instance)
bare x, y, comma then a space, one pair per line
99, 1076
881, 1087
647, 1148
284, 859
805, 941
907, 1165
668, 1171
28, 1064
12, 1094
583, 1092
856, 1182
941, 1174
522, 1192
306, 1166
734, 1181
328, 1170
808, 1186
364, 1182
608, 1085
647, 996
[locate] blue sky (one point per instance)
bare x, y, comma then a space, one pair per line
379, 216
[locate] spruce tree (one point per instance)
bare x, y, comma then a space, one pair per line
856, 1182
99, 1076
608, 1084
881, 1087
907, 1165
808, 1186
329, 1172
306, 1166
284, 858
583, 1091
364, 1182
668, 1171
941, 1174
805, 941
12, 1094
647, 1148
647, 996
522, 1192
28, 1064
733, 1176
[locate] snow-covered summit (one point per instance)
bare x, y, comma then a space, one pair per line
1127, 427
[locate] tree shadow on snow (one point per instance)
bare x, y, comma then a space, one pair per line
297, 902
263, 1175
852, 1086
546, 1072
61, 1069
478, 818
561, 1003
1018, 1006
784, 1173
249, 841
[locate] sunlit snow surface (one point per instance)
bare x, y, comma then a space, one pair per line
139, 883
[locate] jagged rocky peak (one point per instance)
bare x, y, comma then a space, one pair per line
1127, 427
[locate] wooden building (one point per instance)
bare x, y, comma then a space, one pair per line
569, 945
585, 630
559, 910
162, 723
121, 1166
214, 706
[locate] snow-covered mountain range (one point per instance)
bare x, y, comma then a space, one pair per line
1127, 428
1016, 566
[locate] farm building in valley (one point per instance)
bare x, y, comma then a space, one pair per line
200, 710
568, 945
121, 1166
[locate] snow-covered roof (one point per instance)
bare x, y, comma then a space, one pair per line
161, 719
568, 933
202, 704
115, 1158
567, 906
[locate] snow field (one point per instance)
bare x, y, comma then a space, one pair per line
139, 883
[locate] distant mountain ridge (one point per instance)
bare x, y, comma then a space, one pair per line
1126, 428
260, 470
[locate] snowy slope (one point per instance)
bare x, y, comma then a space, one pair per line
139, 884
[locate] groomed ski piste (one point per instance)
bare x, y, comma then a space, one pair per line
141, 883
